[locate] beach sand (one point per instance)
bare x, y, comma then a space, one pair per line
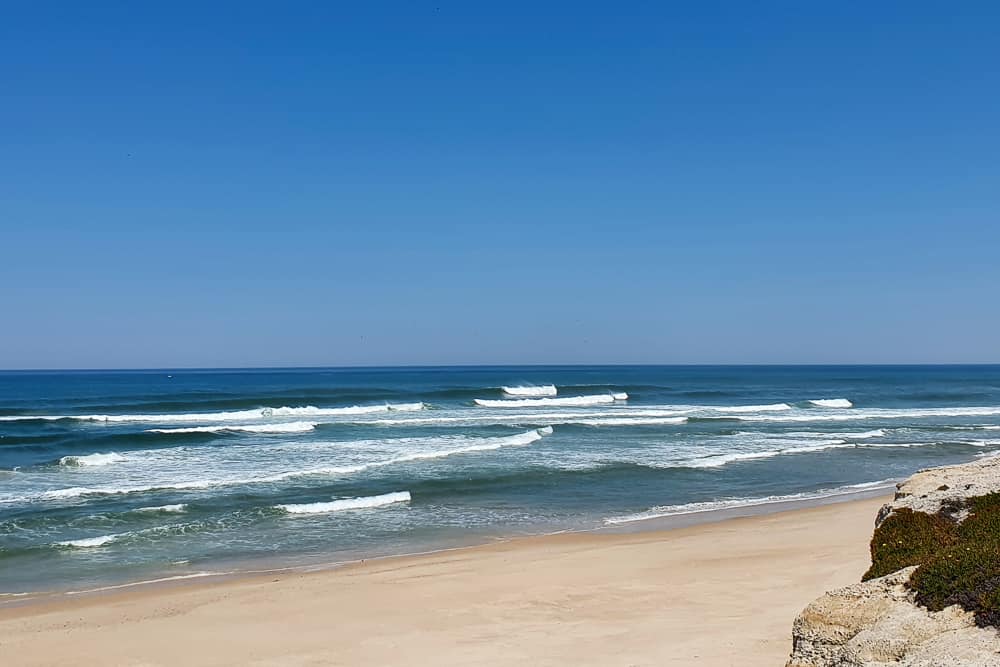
713, 594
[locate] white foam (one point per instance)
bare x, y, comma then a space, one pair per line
197, 484
832, 403
529, 390
864, 435
519, 440
568, 401
627, 421
718, 460
97, 459
287, 427
620, 396
523, 416
771, 407
488, 444
729, 503
847, 435
873, 413
89, 542
364, 502
983, 443
236, 415
167, 509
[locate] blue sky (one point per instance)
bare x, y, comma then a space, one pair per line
256, 184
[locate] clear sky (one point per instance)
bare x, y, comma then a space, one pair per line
246, 184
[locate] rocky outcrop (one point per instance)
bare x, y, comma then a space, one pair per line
878, 623
930, 491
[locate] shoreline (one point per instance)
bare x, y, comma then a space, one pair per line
706, 593
259, 567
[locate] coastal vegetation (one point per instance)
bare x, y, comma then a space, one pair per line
958, 559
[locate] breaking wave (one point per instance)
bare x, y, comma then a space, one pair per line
845, 435
772, 407
163, 509
92, 460
288, 427
363, 502
235, 415
717, 460
832, 403
488, 444
626, 421
543, 390
568, 401
88, 542
868, 413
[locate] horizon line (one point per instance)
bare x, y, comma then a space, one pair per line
491, 366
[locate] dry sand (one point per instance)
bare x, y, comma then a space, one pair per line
713, 594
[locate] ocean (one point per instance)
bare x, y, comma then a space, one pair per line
115, 477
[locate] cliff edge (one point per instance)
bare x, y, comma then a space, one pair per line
932, 595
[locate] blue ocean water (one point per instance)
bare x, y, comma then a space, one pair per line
108, 477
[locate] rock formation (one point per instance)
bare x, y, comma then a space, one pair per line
943, 521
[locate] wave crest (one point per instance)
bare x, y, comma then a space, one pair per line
164, 509
831, 403
287, 427
96, 459
363, 502
531, 390
235, 415
567, 401
89, 542
488, 444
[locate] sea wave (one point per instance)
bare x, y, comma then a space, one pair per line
718, 460
89, 542
730, 503
831, 403
868, 413
531, 390
287, 427
488, 444
845, 435
363, 502
235, 415
771, 407
626, 421
97, 459
163, 509
523, 416
568, 401
519, 440
864, 435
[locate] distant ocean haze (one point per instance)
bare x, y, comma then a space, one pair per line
113, 477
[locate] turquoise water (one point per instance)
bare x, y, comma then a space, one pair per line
107, 477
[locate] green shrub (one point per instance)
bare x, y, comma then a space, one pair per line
908, 538
959, 563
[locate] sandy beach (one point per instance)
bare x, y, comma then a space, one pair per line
714, 594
